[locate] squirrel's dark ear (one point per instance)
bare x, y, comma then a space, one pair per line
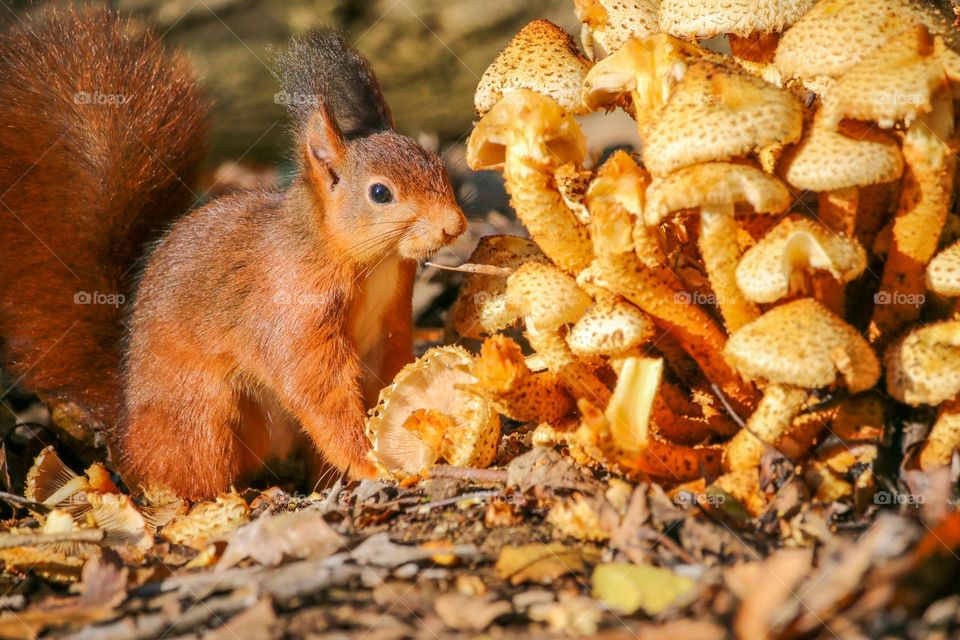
324, 148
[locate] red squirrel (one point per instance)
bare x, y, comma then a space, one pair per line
255, 318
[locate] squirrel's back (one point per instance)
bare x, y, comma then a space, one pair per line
101, 135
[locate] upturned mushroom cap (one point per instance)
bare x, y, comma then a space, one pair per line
835, 34
547, 296
943, 272
924, 367
542, 57
802, 344
715, 183
536, 128
610, 327
613, 22
828, 160
766, 270
895, 82
717, 113
708, 18
646, 68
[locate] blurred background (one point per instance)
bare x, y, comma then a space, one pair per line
428, 54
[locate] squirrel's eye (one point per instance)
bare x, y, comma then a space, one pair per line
380, 193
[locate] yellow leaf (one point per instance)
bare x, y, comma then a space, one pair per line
629, 587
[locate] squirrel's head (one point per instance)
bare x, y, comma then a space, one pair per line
378, 193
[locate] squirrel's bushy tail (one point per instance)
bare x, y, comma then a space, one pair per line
101, 134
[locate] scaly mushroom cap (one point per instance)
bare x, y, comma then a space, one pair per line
610, 327
828, 160
646, 68
613, 22
715, 183
943, 272
572, 183
536, 128
428, 412
895, 82
924, 367
765, 272
802, 344
835, 34
481, 306
717, 113
708, 18
542, 57
546, 295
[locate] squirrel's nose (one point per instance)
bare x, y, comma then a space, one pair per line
454, 224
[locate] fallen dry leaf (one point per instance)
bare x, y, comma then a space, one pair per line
270, 538
470, 613
538, 562
762, 611
627, 588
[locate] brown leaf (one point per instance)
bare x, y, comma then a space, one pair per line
538, 563
270, 538
544, 467
470, 613
761, 611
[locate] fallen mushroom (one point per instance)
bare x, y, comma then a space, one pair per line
907, 80
481, 306
751, 27
794, 348
504, 378
549, 300
542, 57
716, 189
428, 413
837, 165
834, 35
52, 483
528, 136
924, 368
207, 521
776, 266
613, 22
718, 113
623, 272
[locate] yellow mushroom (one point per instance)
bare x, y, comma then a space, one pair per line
794, 348
542, 57
611, 23
924, 368
715, 189
528, 136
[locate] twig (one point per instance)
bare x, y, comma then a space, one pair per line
469, 473
476, 495
726, 405
13, 540
17, 501
469, 267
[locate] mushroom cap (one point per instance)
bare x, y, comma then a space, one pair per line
828, 160
802, 344
437, 384
648, 68
610, 327
924, 366
943, 272
481, 305
714, 183
546, 295
613, 22
572, 183
542, 57
835, 34
529, 124
895, 82
717, 113
709, 18
765, 272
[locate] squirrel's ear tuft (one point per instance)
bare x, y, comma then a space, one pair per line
324, 148
324, 65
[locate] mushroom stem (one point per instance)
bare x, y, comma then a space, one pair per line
924, 204
837, 209
944, 437
551, 223
721, 253
773, 417
578, 378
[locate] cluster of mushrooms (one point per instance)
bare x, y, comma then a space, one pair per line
782, 239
